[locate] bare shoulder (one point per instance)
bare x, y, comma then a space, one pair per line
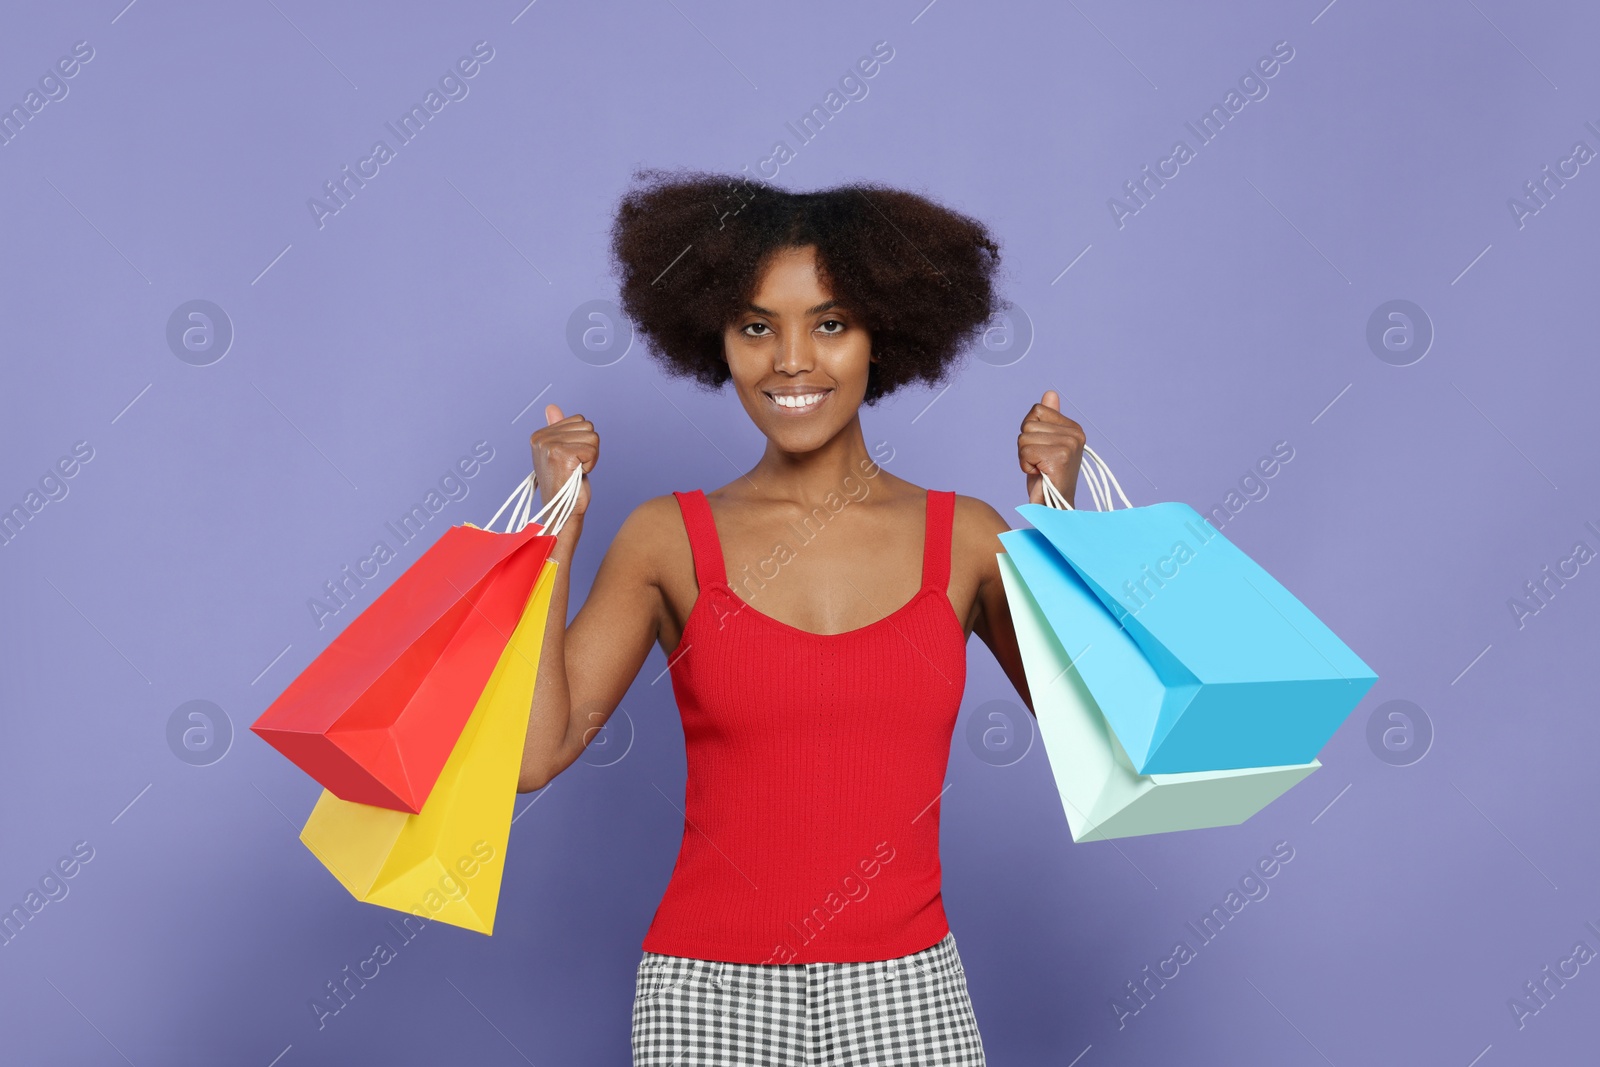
655, 515
975, 537
976, 521
651, 535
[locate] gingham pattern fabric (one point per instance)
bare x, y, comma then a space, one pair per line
911, 1011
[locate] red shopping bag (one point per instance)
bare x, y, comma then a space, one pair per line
375, 716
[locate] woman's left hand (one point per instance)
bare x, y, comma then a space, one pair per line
1050, 446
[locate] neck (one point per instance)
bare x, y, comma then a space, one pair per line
808, 477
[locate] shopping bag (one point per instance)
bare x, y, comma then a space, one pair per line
1101, 793
1241, 673
374, 716
446, 861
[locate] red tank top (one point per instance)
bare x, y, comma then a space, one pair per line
816, 764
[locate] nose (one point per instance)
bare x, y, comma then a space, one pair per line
794, 354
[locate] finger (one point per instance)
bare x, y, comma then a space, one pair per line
1028, 458
568, 457
570, 430
1053, 437
1052, 400
1049, 462
1044, 415
1050, 416
552, 414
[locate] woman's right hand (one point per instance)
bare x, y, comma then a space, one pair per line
559, 448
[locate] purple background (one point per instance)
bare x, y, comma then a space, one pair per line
1228, 314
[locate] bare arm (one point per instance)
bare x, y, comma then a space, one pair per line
1050, 445
978, 539
585, 668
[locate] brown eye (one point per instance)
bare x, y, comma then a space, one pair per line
835, 322
762, 325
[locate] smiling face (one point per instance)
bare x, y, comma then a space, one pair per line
798, 359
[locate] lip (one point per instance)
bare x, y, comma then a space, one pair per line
798, 413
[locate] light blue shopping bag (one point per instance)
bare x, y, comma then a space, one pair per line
1101, 794
1237, 672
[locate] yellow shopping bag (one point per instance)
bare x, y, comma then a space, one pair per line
446, 861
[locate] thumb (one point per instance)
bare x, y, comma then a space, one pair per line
1052, 400
550, 419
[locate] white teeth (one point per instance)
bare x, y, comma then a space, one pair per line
798, 401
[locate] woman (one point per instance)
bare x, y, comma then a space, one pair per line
815, 613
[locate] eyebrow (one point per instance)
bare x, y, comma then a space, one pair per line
824, 306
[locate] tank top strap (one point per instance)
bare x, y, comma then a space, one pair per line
937, 539
703, 542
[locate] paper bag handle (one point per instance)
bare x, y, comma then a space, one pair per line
558, 507
1101, 482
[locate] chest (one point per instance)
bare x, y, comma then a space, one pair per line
739, 673
823, 579
819, 574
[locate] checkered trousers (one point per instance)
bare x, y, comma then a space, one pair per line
911, 1011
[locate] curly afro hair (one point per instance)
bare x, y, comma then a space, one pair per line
689, 248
